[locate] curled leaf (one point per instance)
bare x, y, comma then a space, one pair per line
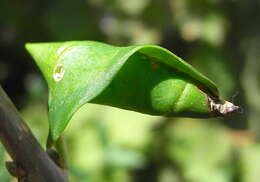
147, 79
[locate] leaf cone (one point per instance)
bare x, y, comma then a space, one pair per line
78, 72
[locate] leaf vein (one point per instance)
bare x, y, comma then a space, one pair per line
181, 96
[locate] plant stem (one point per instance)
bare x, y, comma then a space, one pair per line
62, 149
33, 162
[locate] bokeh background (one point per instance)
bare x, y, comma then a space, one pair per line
221, 38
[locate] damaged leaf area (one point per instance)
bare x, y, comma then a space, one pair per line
147, 79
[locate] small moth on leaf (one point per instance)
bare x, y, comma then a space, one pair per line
146, 78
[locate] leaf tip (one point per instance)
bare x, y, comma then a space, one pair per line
223, 108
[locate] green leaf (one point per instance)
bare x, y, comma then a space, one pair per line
145, 78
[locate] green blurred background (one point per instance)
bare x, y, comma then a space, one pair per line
221, 38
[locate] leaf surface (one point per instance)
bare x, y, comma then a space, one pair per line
144, 78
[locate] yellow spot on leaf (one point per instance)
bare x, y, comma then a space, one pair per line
58, 73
